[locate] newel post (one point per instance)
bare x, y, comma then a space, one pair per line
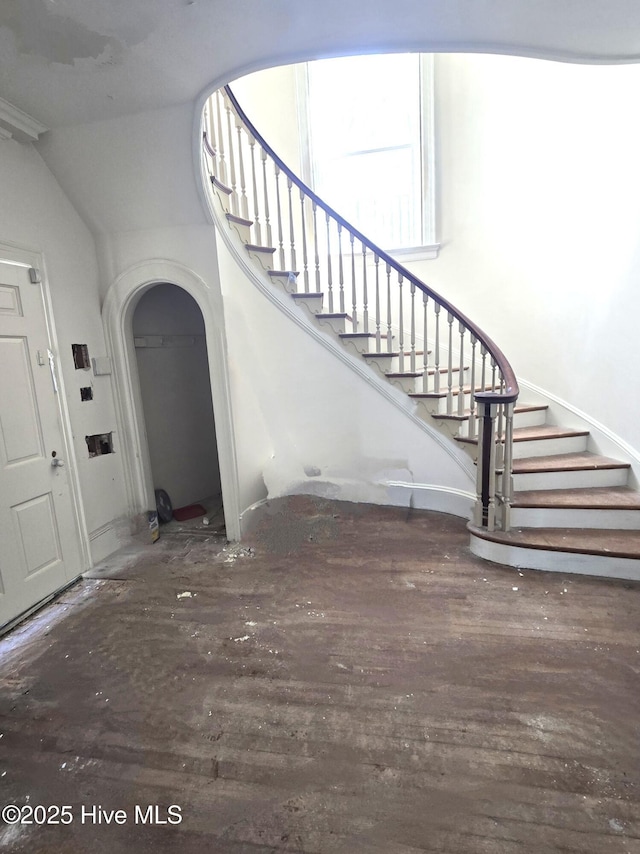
485, 508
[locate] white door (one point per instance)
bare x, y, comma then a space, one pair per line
39, 544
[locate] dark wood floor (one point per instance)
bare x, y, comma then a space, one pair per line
357, 682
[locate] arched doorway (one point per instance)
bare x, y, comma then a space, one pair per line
173, 372
118, 312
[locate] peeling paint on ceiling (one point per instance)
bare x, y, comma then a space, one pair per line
69, 62
40, 30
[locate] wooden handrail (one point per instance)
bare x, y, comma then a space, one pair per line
511, 388
246, 187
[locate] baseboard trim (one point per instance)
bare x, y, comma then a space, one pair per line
523, 557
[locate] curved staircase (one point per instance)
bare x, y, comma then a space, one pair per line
545, 498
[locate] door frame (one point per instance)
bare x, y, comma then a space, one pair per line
22, 256
117, 313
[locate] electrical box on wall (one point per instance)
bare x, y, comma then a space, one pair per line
80, 356
86, 393
99, 444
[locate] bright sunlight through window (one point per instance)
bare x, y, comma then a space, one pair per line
366, 127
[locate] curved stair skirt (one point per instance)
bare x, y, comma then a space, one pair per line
562, 550
550, 460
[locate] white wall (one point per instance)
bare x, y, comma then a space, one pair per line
136, 181
35, 214
176, 395
270, 100
315, 426
539, 197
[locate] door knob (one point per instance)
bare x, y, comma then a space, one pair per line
55, 461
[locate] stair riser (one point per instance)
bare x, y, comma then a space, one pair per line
333, 324
438, 406
242, 230
574, 517
358, 345
383, 364
535, 418
570, 479
407, 384
553, 561
548, 447
312, 305
223, 198
287, 284
262, 260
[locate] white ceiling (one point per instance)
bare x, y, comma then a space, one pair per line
67, 62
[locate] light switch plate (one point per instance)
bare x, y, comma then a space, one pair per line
101, 365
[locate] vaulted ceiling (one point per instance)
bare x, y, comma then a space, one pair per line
68, 62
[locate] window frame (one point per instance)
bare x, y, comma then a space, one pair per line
429, 247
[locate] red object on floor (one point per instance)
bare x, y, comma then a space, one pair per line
190, 512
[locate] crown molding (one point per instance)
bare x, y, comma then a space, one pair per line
16, 124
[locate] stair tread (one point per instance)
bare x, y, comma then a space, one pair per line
253, 247
335, 314
394, 355
310, 295
591, 541
518, 410
223, 187
363, 335
239, 219
282, 273
566, 462
595, 498
403, 374
436, 395
531, 434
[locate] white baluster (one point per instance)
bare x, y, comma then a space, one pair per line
425, 346
461, 368
316, 253
412, 358
436, 348
210, 129
340, 269
500, 437
354, 293
244, 204
507, 476
389, 312
400, 325
329, 266
222, 163
450, 367
265, 188
378, 333
232, 163
472, 404
279, 219
304, 243
365, 297
254, 185
292, 236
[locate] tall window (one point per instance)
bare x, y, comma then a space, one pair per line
370, 143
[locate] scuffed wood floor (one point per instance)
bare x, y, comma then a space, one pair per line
358, 682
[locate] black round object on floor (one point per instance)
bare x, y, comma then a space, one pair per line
163, 506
